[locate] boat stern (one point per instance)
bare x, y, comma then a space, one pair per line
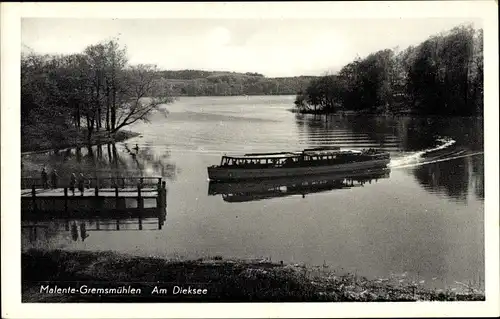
217, 173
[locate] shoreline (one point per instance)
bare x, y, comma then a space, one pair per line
367, 114
226, 280
98, 138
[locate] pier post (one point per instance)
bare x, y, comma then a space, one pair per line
140, 202
116, 197
160, 218
65, 200
164, 194
33, 196
96, 191
161, 201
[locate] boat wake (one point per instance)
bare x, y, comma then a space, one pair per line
439, 160
417, 157
432, 155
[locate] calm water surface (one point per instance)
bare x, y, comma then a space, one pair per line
423, 221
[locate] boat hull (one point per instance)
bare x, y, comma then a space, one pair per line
218, 173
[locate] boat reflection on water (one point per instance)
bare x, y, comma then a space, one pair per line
245, 191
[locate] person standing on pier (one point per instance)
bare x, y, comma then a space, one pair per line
81, 183
45, 183
72, 183
53, 179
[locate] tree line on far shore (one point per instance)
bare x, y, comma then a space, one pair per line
441, 76
219, 83
93, 91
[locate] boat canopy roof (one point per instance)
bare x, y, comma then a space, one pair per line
264, 155
278, 154
321, 151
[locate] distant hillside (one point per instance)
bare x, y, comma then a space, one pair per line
211, 83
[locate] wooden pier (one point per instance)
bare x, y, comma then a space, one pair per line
100, 195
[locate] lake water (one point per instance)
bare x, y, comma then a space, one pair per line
423, 221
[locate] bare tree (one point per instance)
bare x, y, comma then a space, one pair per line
145, 94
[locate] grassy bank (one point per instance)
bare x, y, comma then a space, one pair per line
36, 140
225, 279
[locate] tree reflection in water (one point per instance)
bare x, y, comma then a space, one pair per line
103, 161
398, 135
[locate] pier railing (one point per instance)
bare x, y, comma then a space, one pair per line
99, 195
95, 182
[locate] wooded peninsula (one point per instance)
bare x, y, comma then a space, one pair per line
441, 76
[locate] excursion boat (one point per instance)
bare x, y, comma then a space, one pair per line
312, 161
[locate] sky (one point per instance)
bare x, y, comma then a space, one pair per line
273, 47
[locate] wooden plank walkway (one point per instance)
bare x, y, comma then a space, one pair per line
104, 196
148, 192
